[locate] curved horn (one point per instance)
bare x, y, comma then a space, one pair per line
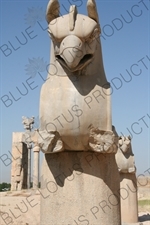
52, 11
92, 10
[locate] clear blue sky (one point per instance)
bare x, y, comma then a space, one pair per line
25, 45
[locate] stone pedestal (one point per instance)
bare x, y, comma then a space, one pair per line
129, 203
36, 150
80, 188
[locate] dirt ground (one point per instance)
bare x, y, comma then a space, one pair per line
144, 200
23, 208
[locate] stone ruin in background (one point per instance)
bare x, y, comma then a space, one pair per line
22, 145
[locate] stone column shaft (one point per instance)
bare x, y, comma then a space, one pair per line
128, 194
80, 187
36, 150
29, 169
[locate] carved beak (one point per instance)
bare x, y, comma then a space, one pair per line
72, 53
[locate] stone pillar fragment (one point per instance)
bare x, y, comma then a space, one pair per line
80, 187
128, 182
29, 168
19, 162
28, 126
129, 202
36, 150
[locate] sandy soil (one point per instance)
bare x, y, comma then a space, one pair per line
20, 208
144, 194
23, 208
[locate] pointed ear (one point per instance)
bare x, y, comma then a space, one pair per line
52, 11
92, 10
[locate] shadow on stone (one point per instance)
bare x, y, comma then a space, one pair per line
63, 165
80, 182
144, 218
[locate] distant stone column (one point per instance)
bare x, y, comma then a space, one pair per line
128, 182
29, 166
129, 201
36, 150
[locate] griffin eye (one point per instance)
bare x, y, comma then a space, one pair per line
93, 35
54, 39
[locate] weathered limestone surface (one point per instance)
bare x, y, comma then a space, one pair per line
128, 182
125, 156
28, 125
36, 150
80, 186
28, 122
75, 100
19, 162
129, 203
75, 120
132, 223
